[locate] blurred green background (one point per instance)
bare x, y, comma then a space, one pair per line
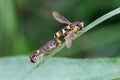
26, 25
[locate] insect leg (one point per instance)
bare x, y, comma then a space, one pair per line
41, 58
74, 34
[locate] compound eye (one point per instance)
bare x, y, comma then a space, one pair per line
79, 25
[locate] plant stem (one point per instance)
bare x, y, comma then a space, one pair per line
100, 20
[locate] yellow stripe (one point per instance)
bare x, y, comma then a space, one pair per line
75, 29
68, 27
63, 31
37, 51
57, 34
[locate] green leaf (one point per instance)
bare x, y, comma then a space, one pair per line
14, 68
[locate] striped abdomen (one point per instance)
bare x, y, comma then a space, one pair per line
39, 53
62, 32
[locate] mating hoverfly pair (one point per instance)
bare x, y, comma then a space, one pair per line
68, 32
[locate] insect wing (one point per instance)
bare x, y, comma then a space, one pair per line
60, 18
68, 39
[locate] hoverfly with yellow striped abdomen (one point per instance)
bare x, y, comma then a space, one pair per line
68, 32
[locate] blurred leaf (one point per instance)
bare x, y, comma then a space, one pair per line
116, 79
13, 68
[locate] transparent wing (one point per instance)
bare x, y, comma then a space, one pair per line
60, 18
68, 39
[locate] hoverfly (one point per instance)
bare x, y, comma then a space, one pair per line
40, 52
68, 32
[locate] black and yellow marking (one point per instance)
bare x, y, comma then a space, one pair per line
63, 31
68, 27
37, 51
75, 29
57, 34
